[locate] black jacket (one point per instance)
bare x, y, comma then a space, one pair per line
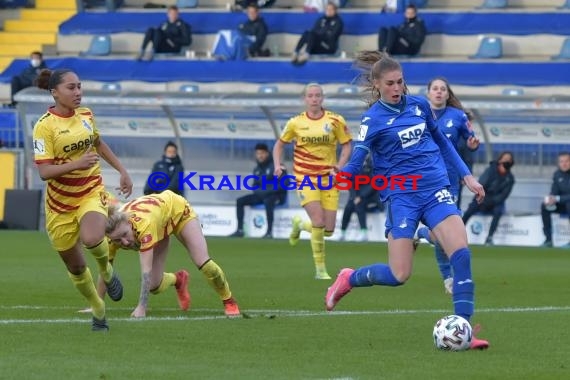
265, 187
171, 167
257, 28
497, 187
329, 30
178, 33
30, 73
561, 185
414, 32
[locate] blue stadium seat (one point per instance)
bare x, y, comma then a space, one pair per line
186, 3
494, 4
566, 5
564, 50
348, 90
513, 91
100, 46
111, 87
190, 88
490, 47
267, 89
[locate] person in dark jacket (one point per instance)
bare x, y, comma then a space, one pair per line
169, 37
405, 39
498, 182
171, 165
558, 200
256, 28
264, 193
360, 201
322, 38
27, 77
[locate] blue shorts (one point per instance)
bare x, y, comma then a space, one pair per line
404, 211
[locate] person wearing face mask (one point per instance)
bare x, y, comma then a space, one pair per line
406, 38
498, 182
171, 165
27, 77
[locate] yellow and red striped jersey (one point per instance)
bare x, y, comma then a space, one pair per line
57, 140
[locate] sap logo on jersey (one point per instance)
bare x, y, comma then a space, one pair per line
411, 136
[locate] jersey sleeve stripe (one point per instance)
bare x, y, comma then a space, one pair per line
44, 161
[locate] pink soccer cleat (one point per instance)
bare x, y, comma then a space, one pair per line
338, 289
231, 308
182, 289
478, 344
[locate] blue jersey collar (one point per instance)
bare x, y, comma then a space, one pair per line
394, 107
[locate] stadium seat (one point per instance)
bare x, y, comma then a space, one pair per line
100, 46
111, 87
186, 3
564, 51
513, 91
490, 47
566, 5
348, 90
190, 88
267, 89
494, 4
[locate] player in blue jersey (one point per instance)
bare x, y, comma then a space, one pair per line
452, 120
401, 134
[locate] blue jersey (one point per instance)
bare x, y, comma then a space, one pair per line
454, 123
404, 141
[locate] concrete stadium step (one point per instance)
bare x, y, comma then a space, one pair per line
46, 14
56, 4
17, 50
436, 45
27, 38
31, 26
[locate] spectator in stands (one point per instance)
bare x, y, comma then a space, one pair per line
240, 5
246, 42
170, 37
405, 39
498, 181
322, 38
360, 201
265, 193
171, 165
558, 200
28, 76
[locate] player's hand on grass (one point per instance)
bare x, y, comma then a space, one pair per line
139, 312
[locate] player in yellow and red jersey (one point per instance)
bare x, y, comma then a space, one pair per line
145, 225
67, 148
317, 133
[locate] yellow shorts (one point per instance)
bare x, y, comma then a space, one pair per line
328, 198
63, 229
182, 211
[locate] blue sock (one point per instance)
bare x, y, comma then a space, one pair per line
463, 286
442, 262
423, 232
375, 274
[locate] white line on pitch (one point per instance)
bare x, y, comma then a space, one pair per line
283, 313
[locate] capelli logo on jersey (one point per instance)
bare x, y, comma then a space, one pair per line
412, 135
316, 140
82, 144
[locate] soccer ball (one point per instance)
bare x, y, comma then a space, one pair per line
452, 333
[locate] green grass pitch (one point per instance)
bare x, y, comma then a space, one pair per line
522, 302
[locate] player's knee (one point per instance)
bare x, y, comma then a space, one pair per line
401, 275
92, 239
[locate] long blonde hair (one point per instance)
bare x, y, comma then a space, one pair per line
372, 64
114, 218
